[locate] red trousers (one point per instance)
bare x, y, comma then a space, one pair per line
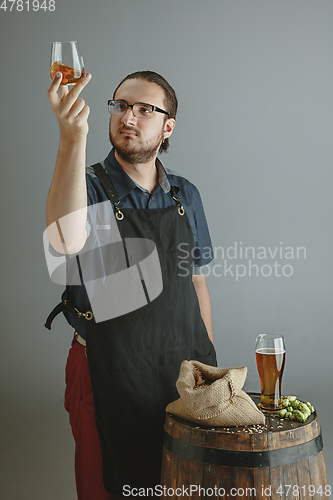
79, 403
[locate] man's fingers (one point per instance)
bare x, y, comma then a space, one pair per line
53, 88
76, 108
75, 91
63, 90
79, 86
84, 113
70, 109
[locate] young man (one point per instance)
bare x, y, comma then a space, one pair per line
121, 372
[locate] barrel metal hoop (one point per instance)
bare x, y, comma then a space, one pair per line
250, 459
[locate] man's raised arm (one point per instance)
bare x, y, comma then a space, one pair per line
68, 195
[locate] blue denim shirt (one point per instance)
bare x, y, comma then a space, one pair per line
133, 196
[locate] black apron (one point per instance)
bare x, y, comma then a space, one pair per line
134, 359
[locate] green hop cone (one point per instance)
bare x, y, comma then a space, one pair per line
311, 408
294, 409
304, 408
301, 417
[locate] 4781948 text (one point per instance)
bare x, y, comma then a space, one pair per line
27, 5
295, 490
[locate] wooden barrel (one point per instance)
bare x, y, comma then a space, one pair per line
280, 460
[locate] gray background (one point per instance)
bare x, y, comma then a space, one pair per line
254, 132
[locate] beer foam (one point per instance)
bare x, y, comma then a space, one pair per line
270, 350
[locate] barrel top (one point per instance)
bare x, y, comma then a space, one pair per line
272, 424
278, 443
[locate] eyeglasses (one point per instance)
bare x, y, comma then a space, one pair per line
140, 109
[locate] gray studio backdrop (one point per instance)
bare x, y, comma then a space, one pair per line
254, 132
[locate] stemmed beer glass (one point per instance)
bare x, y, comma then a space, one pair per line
66, 58
270, 358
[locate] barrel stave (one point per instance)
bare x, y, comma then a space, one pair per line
262, 475
196, 476
184, 465
244, 476
170, 461
225, 477
213, 472
318, 477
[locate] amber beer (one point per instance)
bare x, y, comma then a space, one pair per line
270, 358
270, 365
70, 76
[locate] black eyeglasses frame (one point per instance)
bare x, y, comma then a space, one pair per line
154, 108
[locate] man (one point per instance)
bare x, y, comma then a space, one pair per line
121, 372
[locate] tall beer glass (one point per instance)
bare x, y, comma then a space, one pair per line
270, 358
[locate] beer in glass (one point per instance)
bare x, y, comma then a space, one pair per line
270, 358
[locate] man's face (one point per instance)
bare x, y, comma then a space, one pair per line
137, 140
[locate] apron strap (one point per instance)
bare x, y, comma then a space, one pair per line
57, 310
109, 188
114, 198
174, 193
61, 308
106, 182
112, 193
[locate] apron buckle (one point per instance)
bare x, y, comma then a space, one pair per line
181, 209
88, 315
119, 213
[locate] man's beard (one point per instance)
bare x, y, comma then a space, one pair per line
138, 153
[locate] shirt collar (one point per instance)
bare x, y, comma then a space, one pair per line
123, 183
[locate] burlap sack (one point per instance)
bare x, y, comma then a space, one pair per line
213, 396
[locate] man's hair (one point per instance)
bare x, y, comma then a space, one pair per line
170, 98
